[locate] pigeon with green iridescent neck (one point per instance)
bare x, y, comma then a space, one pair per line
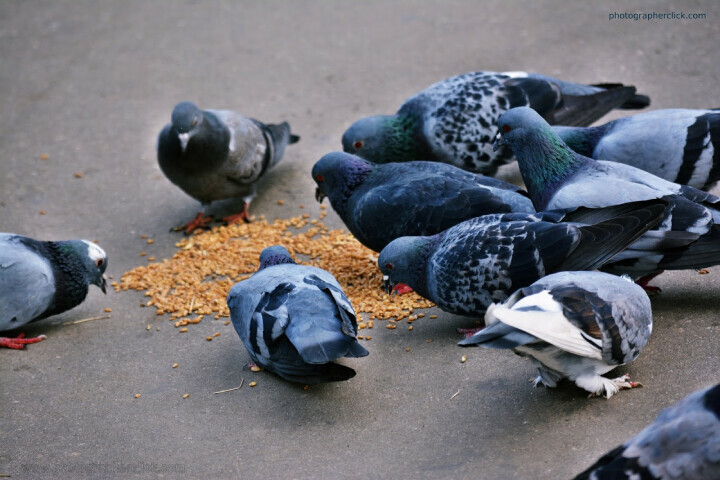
453, 121
40, 279
576, 325
683, 443
559, 178
379, 203
218, 154
478, 262
679, 145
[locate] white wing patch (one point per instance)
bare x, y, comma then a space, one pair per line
548, 324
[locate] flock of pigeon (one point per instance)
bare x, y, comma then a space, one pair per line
628, 198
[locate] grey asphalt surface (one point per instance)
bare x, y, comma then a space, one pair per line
90, 84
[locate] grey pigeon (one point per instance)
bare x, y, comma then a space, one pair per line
478, 262
679, 145
295, 320
454, 120
380, 203
558, 178
218, 154
683, 443
39, 279
578, 325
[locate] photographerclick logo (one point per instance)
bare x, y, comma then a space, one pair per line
650, 16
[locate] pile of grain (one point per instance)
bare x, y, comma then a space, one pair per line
196, 280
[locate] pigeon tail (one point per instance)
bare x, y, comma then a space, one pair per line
278, 137
498, 335
636, 102
602, 241
582, 110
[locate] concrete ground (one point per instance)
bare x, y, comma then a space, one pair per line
90, 84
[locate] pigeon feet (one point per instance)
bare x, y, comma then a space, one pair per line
469, 332
19, 342
644, 281
200, 221
243, 216
402, 289
611, 386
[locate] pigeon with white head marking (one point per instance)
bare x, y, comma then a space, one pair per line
682, 443
453, 121
219, 154
295, 320
578, 325
39, 279
559, 178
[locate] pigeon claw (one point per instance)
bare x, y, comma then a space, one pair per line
200, 221
19, 342
401, 289
243, 216
644, 281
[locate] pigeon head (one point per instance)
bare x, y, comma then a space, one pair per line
86, 259
337, 174
544, 159
186, 118
383, 139
275, 255
404, 260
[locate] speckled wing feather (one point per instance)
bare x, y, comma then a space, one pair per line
248, 147
682, 443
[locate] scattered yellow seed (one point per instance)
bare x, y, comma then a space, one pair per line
322, 205
209, 339
42, 212
420, 315
370, 324
78, 174
391, 326
150, 240
175, 365
142, 254
463, 359
368, 337
137, 395
183, 330
108, 309
704, 271
412, 318
186, 395
252, 384
410, 327
255, 368
281, 202
428, 341
148, 328
195, 320
150, 259
362, 325
216, 334
143, 236
407, 349
44, 156
432, 316
361, 337
227, 322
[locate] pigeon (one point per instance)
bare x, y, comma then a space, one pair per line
295, 320
454, 120
679, 145
578, 325
682, 443
218, 154
559, 178
481, 261
381, 202
39, 279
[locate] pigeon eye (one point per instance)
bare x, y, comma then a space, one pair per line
358, 145
99, 262
506, 128
319, 178
389, 266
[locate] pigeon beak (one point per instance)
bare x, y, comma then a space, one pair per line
499, 142
319, 196
103, 284
184, 139
388, 286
